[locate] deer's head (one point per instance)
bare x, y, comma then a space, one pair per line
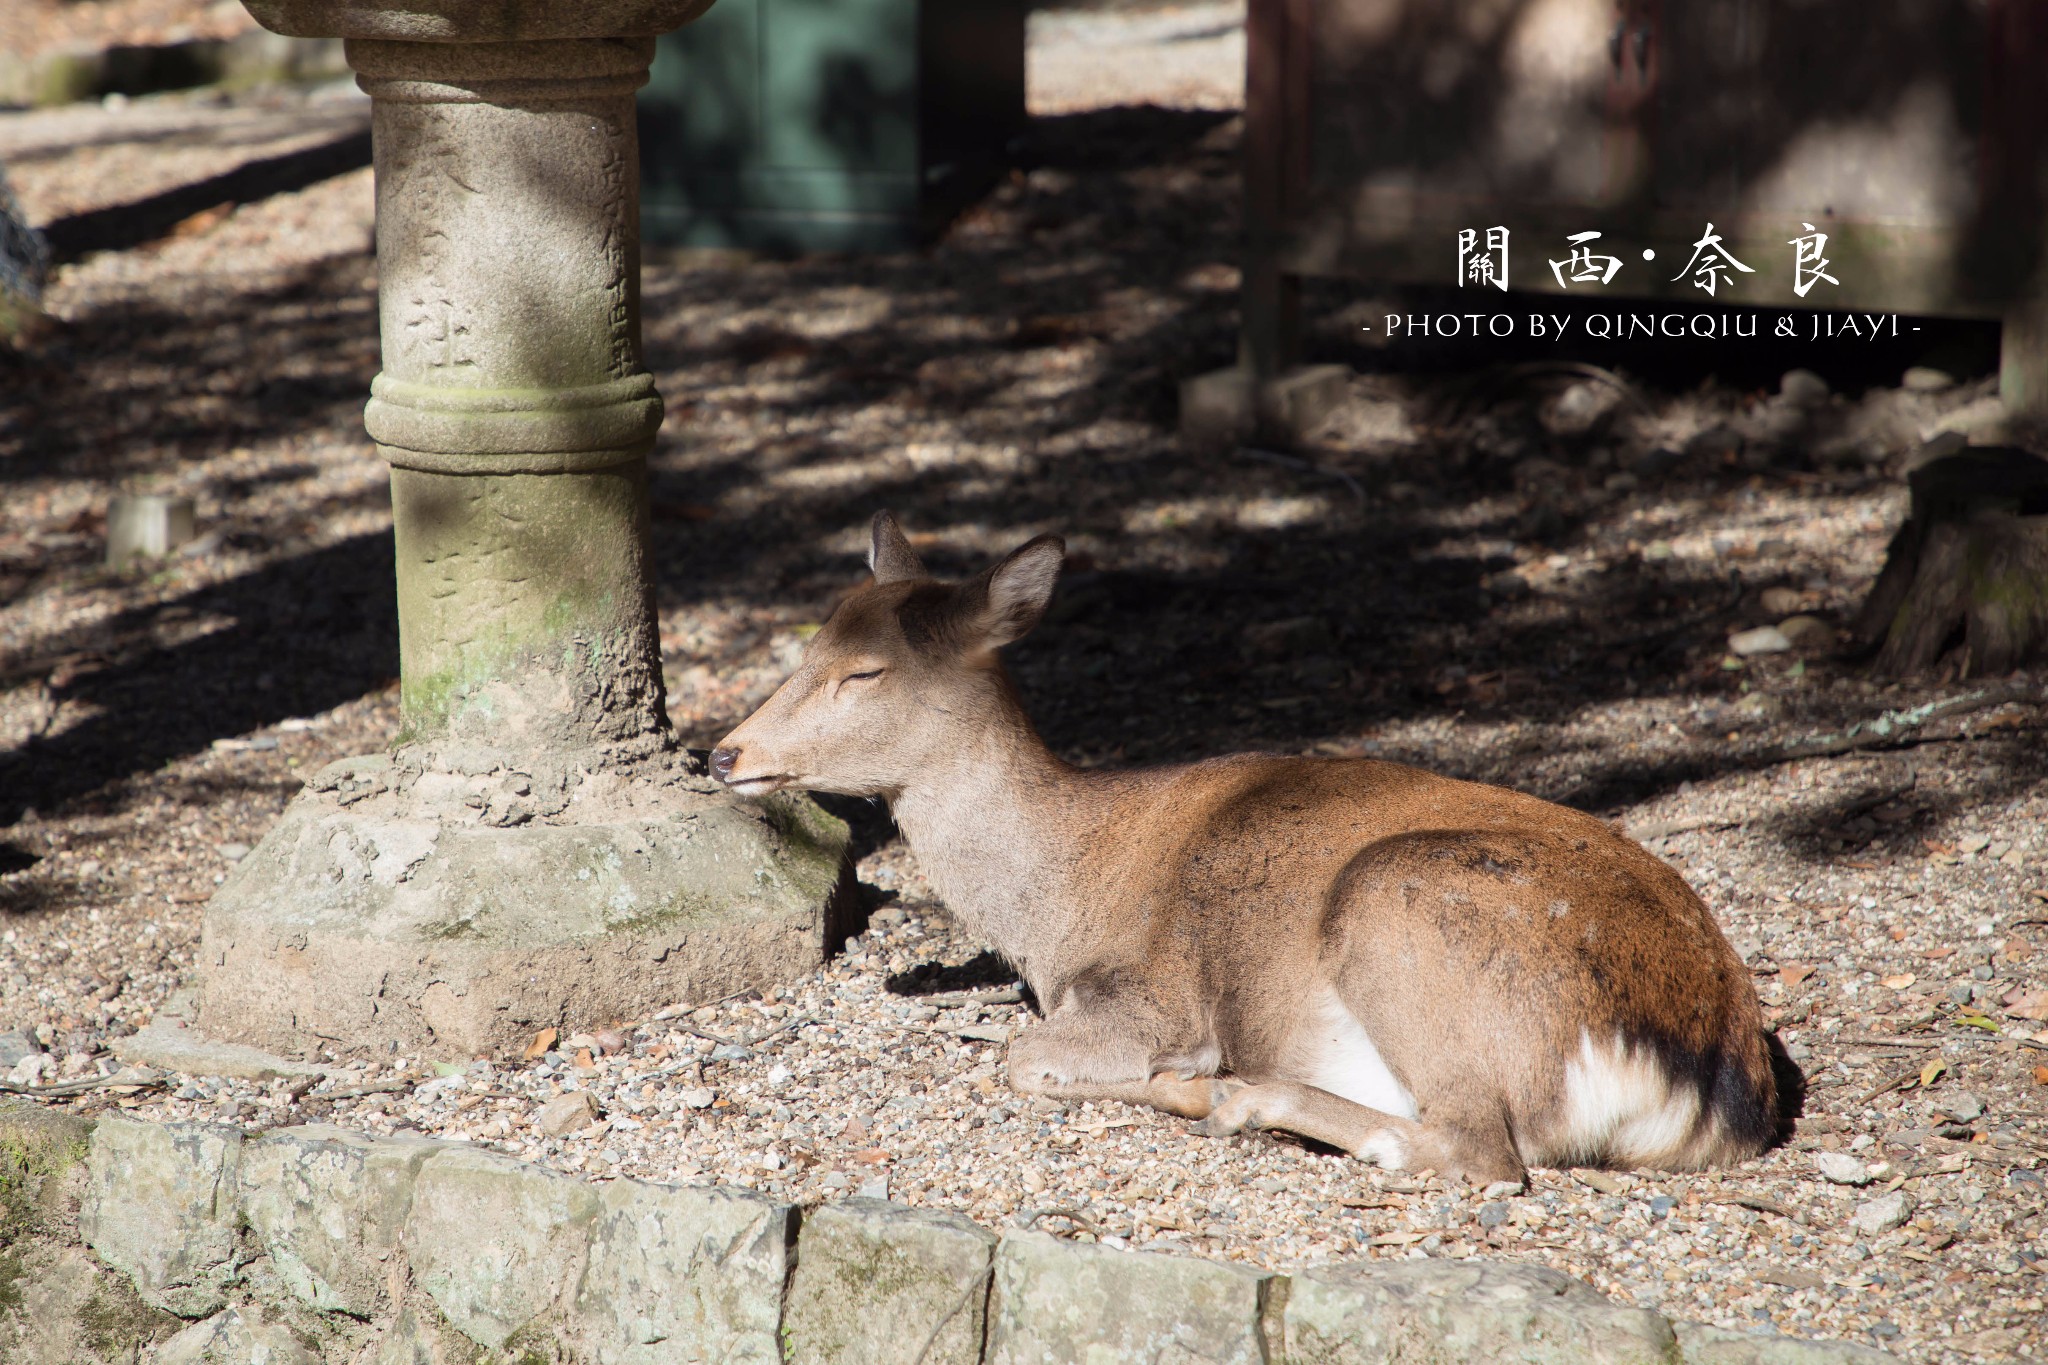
900, 678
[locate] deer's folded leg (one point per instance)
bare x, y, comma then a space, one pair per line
1193, 1097
1396, 1143
1104, 1054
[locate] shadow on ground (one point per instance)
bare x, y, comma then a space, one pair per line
1019, 376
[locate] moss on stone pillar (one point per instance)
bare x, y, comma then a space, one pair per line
524, 606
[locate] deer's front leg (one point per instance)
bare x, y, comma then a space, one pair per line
1096, 1055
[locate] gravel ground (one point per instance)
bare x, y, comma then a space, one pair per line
1459, 570
29, 27
75, 158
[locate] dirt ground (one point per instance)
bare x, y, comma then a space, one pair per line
1506, 566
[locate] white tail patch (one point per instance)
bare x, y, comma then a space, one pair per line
1333, 1052
1620, 1107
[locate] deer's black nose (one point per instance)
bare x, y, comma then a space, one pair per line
721, 763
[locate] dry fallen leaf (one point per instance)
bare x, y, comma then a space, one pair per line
1937, 954
1792, 973
871, 1156
583, 1060
2041, 1075
1930, 1073
203, 221
2028, 1005
542, 1041
1900, 982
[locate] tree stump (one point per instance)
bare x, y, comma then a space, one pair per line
1968, 571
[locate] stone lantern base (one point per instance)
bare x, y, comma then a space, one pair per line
448, 905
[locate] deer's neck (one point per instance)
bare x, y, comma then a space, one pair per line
1001, 830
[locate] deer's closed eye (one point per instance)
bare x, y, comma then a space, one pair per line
867, 676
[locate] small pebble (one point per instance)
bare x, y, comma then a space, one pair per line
1963, 1107
565, 1114
1839, 1168
1874, 1217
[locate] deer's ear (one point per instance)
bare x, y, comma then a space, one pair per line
889, 552
1009, 599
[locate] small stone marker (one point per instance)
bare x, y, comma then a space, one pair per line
1762, 640
1925, 379
146, 526
1803, 387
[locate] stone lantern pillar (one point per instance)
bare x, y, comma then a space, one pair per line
535, 852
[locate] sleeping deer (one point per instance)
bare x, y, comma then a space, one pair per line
1420, 971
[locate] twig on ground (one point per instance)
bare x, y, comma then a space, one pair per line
795, 1021
1858, 1040
1657, 829
1306, 466
1896, 729
696, 1032
356, 1092
60, 1089
1751, 1201
1074, 1216
1895, 1083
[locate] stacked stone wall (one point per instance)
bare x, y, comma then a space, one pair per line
177, 1244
